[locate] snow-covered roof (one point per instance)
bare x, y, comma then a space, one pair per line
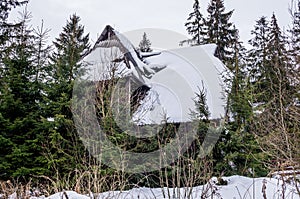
173, 76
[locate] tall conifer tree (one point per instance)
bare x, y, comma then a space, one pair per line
295, 34
274, 91
65, 148
21, 94
195, 24
257, 57
220, 30
5, 7
239, 94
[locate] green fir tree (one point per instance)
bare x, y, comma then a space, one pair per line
195, 24
21, 95
64, 150
145, 44
219, 30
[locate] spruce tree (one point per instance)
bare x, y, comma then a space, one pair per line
64, 149
294, 51
5, 141
295, 34
195, 24
237, 150
6, 27
294, 76
216, 28
257, 58
276, 125
277, 55
5, 7
272, 63
20, 98
145, 44
220, 30
238, 96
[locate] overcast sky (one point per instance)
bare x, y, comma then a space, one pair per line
127, 15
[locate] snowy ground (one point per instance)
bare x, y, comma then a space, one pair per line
238, 187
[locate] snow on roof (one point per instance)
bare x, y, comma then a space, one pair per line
187, 70
174, 77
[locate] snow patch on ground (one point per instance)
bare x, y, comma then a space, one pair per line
237, 187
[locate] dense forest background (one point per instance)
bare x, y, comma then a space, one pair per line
38, 138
